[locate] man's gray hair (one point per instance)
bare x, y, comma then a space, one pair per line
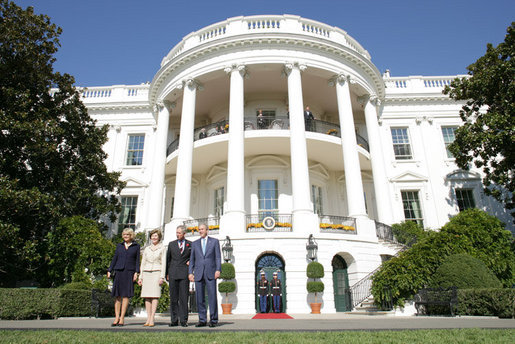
182, 228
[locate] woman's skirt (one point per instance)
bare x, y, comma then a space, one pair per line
150, 287
123, 284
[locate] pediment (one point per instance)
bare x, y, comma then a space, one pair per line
319, 170
266, 161
409, 176
215, 172
132, 182
460, 175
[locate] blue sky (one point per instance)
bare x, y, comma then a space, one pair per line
112, 42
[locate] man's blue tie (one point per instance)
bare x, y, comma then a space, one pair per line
204, 246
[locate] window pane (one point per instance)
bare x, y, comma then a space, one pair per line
267, 198
135, 147
128, 214
465, 199
448, 138
411, 206
219, 201
401, 144
316, 198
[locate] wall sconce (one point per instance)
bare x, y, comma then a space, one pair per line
312, 247
227, 249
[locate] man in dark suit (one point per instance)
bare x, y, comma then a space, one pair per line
204, 269
177, 261
308, 119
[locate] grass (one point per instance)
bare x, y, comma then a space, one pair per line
361, 337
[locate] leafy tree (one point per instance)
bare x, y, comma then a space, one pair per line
51, 157
472, 231
408, 232
488, 133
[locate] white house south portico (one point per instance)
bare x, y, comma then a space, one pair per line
220, 137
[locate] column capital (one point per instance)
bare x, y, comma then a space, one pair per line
162, 103
339, 79
191, 83
289, 66
372, 98
241, 68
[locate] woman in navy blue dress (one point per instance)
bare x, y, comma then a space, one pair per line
125, 268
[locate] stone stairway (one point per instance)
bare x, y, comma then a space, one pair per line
367, 307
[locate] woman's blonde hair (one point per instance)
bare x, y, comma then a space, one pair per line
129, 231
154, 231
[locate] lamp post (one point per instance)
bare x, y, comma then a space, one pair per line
227, 249
312, 247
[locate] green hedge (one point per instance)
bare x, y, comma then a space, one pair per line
492, 302
43, 303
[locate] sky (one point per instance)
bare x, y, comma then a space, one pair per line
122, 42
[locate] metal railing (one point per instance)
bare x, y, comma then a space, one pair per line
266, 123
337, 224
192, 225
385, 232
282, 223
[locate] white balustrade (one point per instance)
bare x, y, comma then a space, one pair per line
285, 24
419, 84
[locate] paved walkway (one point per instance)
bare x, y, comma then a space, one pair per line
301, 322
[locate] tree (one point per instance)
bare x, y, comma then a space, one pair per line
487, 136
472, 231
51, 157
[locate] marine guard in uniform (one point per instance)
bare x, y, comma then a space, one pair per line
275, 284
263, 292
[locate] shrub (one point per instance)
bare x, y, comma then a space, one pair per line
315, 287
472, 231
464, 272
227, 272
20, 304
77, 286
164, 300
487, 302
315, 270
226, 287
408, 232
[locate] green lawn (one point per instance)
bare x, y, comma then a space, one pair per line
361, 337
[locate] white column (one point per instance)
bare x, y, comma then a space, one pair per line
233, 220
155, 203
382, 195
182, 197
353, 182
303, 218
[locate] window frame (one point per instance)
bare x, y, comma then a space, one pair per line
264, 212
128, 150
420, 219
469, 192
446, 144
131, 213
408, 144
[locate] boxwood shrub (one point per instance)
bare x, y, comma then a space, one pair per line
494, 302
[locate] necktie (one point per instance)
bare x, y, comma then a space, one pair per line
204, 246
181, 246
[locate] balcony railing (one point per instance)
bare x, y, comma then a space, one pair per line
213, 224
385, 232
337, 224
266, 123
282, 223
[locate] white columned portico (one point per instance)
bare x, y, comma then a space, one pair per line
384, 211
304, 221
182, 196
353, 181
155, 205
233, 220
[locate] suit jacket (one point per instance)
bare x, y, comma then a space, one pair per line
205, 265
154, 260
176, 267
126, 258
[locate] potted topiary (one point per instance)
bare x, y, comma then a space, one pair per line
315, 271
227, 286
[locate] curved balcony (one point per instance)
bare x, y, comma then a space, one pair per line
267, 123
213, 224
337, 224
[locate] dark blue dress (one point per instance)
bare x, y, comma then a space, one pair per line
124, 264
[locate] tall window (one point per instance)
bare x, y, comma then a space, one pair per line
316, 198
135, 149
219, 201
401, 144
411, 205
128, 214
266, 119
448, 138
268, 198
465, 198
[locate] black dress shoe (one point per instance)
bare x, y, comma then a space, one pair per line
212, 324
173, 324
184, 324
201, 324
